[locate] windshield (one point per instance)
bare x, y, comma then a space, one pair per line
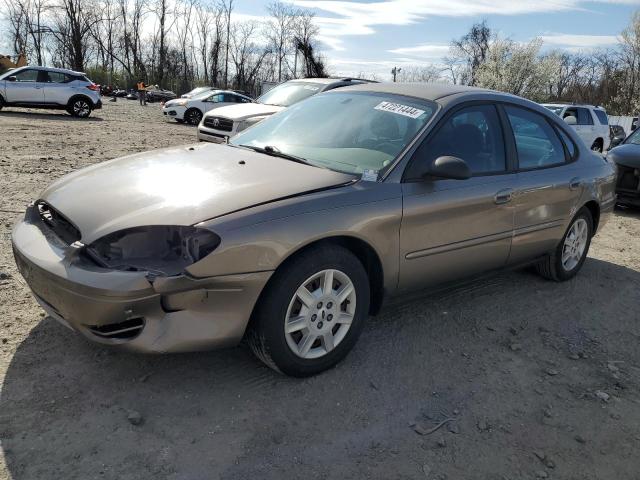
344, 131
287, 94
634, 138
556, 110
199, 91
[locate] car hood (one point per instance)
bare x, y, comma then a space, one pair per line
627, 155
179, 186
243, 111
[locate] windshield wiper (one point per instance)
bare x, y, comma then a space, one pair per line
275, 152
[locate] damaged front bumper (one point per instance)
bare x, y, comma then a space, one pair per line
126, 309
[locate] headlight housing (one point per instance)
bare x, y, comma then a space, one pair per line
249, 122
162, 250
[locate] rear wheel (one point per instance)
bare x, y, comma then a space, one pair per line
80, 107
312, 312
1, 103
193, 116
570, 254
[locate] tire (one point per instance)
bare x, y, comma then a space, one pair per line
553, 267
179, 120
80, 107
597, 146
322, 340
193, 116
1, 102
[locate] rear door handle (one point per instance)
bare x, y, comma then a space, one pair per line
575, 183
503, 196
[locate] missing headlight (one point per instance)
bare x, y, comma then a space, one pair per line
158, 249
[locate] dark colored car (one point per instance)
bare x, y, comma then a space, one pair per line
160, 95
617, 135
627, 159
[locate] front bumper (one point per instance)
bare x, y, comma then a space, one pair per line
125, 309
213, 136
173, 113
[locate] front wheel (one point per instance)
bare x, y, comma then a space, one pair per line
312, 312
80, 108
193, 116
570, 254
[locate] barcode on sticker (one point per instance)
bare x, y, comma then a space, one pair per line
400, 109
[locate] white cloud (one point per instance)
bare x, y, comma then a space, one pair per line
579, 41
343, 18
422, 51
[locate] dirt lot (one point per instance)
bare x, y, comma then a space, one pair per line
539, 380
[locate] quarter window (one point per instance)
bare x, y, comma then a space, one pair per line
537, 142
571, 147
57, 77
472, 134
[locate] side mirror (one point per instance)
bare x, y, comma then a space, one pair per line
12, 78
449, 167
571, 120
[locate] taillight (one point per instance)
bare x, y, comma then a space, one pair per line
93, 87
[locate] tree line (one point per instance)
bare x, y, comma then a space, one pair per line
609, 77
176, 44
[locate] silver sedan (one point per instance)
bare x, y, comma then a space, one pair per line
302, 226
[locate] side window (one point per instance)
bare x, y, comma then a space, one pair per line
584, 117
571, 147
243, 100
217, 98
602, 117
57, 77
537, 142
27, 76
570, 112
229, 98
473, 134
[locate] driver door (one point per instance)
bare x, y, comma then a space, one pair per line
26, 88
457, 228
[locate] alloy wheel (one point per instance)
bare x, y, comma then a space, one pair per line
81, 108
575, 244
194, 117
320, 314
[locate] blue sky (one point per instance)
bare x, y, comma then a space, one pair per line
372, 36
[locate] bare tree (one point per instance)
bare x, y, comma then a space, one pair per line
280, 29
472, 48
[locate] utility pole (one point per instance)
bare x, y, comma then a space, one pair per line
395, 71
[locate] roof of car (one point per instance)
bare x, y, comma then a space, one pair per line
426, 91
563, 104
54, 69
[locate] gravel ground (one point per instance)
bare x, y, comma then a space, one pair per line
524, 378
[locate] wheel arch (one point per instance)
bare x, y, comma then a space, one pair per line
78, 96
594, 210
362, 250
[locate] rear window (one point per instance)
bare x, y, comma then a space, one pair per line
602, 117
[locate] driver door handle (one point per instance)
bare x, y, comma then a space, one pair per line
503, 196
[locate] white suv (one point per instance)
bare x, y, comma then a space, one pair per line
56, 88
590, 123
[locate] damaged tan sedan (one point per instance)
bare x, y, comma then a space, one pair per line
297, 230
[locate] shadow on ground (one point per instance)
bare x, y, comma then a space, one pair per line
513, 361
53, 115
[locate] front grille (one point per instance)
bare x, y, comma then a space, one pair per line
219, 123
628, 179
121, 331
58, 224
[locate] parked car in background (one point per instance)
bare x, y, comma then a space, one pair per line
155, 94
53, 88
590, 123
197, 91
617, 135
224, 123
191, 110
296, 231
627, 159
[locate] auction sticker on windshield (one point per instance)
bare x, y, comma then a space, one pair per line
400, 109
